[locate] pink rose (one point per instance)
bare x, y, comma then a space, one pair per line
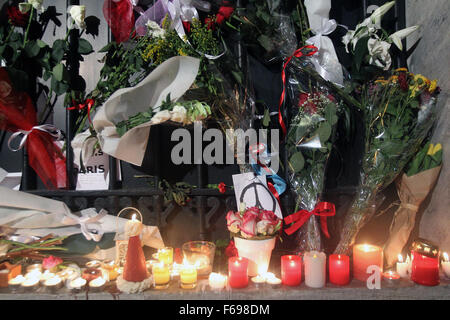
269, 223
51, 262
234, 221
248, 227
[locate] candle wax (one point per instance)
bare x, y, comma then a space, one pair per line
291, 270
238, 272
365, 255
161, 275
339, 269
425, 270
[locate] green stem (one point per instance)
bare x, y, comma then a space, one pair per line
28, 27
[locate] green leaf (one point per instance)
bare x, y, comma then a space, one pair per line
107, 47
58, 72
32, 49
324, 131
58, 49
297, 161
361, 51
84, 47
59, 87
266, 119
41, 43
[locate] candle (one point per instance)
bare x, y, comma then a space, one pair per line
133, 227
425, 270
15, 283
402, 267
259, 281
30, 284
188, 276
161, 276
77, 284
217, 281
446, 265
36, 266
93, 264
52, 284
339, 269
238, 272
165, 255
274, 282
111, 269
365, 255
91, 273
315, 269
97, 284
46, 275
291, 270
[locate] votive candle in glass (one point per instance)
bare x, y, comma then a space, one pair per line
188, 277
161, 276
315, 269
76, 285
165, 255
238, 272
53, 284
217, 281
339, 269
425, 270
291, 270
365, 255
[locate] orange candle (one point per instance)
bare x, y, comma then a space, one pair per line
365, 255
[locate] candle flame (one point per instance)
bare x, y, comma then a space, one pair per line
133, 218
445, 256
400, 258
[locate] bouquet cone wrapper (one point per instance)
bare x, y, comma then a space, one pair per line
25, 214
174, 76
412, 191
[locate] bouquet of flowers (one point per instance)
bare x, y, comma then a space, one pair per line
399, 112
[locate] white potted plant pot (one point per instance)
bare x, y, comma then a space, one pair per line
258, 252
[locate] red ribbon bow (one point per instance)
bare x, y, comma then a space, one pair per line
298, 53
322, 209
88, 103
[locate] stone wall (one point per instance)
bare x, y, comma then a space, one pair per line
431, 58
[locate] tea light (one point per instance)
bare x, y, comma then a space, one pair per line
365, 255
46, 275
403, 267
446, 265
217, 281
36, 266
188, 277
259, 281
111, 269
66, 273
93, 264
91, 273
30, 284
391, 277
54, 283
274, 282
161, 276
97, 284
15, 283
291, 270
33, 274
339, 269
76, 285
165, 255
315, 269
238, 272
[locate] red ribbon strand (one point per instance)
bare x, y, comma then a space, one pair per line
322, 209
297, 54
89, 103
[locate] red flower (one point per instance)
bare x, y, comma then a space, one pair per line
403, 81
231, 250
51, 262
223, 14
187, 26
222, 187
249, 221
17, 18
210, 23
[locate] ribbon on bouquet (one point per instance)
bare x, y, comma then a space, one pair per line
259, 160
322, 209
179, 11
87, 104
84, 221
47, 128
297, 54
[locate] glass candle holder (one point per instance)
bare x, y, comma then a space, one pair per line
111, 268
91, 274
425, 270
77, 285
188, 277
217, 281
161, 276
165, 255
200, 254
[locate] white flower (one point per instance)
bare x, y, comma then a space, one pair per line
161, 116
380, 12
37, 4
154, 30
347, 39
179, 114
262, 227
401, 34
24, 7
379, 53
77, 16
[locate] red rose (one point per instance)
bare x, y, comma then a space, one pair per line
51, 262
403, 81
269, 216
187, 26
231, 250
17, 18
223, 14
210, 23
222, 187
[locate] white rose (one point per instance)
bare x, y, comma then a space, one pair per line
24, 7
379, 53
154, 30
37, 4
77, 16
179, 114
161, 116
262, 227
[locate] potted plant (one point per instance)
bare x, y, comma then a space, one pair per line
254, 231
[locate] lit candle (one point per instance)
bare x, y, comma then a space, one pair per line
217, 281
97, 284
273, 281
391, 277
165, 255
161, 276
365, 255
238, 272
77, 284
259, 281
36, 266
315, 269
402, 267
46, 275
111, 269
291, 270
446, 265
30, 284
424, 270
15, 283
188, 276
339, 269
93, 264
54, 283
91, 273
133, 227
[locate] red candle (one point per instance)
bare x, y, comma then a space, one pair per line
339, 269
365, 255
291, 270
425, 270
238, 272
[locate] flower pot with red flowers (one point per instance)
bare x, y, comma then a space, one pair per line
254, 231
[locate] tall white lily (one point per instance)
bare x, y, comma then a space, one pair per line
401, 34
380, 12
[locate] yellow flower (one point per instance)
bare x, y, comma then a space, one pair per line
181, 52
381, 81
401, 70
433, 150
430, 150
433, 86
421, 80
393, 79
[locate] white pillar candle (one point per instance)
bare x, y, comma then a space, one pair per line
446, 265
217, 281
402, 267
315, 269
